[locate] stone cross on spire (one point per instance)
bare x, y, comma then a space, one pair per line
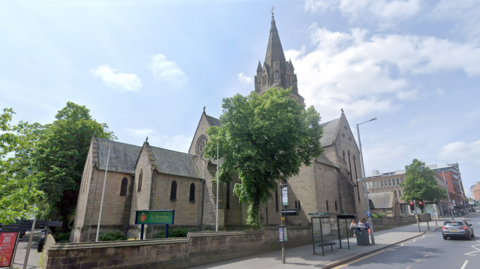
272, 10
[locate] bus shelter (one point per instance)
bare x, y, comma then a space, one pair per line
328, 230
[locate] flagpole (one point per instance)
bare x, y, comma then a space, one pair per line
103, 195
216, 222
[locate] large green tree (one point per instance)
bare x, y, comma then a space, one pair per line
18, 191
263, 138
59, 158
420, 184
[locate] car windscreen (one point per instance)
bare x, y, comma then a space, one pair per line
453, 224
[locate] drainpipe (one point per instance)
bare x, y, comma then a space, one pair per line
130, 206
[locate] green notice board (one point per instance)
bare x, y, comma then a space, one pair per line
155, 217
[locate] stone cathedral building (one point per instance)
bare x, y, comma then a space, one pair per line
149, 177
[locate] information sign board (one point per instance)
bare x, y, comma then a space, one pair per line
8, 242
284, 195
280, 234
368, 213
159, 217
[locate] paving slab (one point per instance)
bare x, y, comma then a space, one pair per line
301, 257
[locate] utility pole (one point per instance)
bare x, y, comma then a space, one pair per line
365, 180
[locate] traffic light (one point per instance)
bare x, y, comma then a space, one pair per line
420, 204
412, 206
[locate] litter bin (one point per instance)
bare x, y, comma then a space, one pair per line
362, 236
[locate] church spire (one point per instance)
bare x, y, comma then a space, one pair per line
276, 71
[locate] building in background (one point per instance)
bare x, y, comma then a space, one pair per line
475, 192
390, 182
452, 177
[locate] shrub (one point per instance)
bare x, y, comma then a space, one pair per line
113, 236
175, 232
381, 214
374, 216
61, 236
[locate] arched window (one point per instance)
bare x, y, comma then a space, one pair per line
343, 155
326, 204
173, 191
277, 74
299, 206
336, 208
192, 192
356, 176
123, 188
140, 181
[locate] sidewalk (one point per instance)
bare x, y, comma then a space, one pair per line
34, 256
300, 257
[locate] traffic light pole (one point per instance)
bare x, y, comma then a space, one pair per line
416, 216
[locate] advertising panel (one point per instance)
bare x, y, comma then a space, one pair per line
8, 242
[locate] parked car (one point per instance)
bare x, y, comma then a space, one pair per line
457, 228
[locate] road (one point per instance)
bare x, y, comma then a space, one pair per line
428, 251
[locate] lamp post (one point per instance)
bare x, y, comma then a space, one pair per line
364, 179
29, 171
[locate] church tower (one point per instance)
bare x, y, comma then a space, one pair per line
276, 71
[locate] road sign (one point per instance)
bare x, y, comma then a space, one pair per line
8, 243
369, 214
160, 217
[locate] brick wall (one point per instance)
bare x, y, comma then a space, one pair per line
195, 250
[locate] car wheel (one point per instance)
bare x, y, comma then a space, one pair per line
473, 234
470, 237
444, 237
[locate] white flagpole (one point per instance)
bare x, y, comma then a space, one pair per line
216, 222
103, 194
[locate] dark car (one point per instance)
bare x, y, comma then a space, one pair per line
457, 228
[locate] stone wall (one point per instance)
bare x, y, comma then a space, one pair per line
194, 250
390, 222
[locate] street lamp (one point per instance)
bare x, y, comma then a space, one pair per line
364, 179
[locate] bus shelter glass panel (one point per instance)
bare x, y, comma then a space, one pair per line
325, 233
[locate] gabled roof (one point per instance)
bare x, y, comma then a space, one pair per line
325, 160
382, 199
122, 156
330, 130
213, 121
175, 163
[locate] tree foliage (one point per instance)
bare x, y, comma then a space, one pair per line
60, 155
18, 190
420, 184
263, 138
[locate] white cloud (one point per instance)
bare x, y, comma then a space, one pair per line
168, 71
408, 95
384, 11
175, 142
126, 82
244, 79
350, 70
466, 15
461, 151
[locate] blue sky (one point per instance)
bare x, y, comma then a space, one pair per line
149, 68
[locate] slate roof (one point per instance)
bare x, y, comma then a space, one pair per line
325, 160
329, 132
381, 199
175, 163
122, 156
213, 121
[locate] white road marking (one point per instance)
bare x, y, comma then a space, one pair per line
477, 249
464, 264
